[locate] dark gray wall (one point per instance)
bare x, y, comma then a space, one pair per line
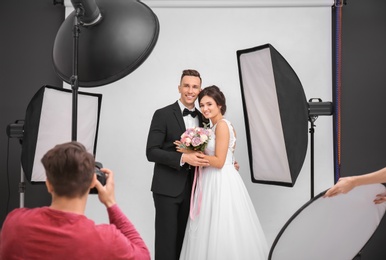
363, 96
363, 86
28, 29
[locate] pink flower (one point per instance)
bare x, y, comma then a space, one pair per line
196, 138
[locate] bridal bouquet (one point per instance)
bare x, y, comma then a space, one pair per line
195, 138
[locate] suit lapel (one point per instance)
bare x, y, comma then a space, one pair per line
201, 119
178, 116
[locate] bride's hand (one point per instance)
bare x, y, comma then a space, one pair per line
380, 198
177, 143
237, 166
179, 147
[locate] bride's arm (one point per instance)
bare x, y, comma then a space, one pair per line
221, 145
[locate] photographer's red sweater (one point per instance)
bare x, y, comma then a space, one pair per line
44, 233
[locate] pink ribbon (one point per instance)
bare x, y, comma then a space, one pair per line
195, 206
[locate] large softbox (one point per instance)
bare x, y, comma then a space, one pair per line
48, 123
276, 115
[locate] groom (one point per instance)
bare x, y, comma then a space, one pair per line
173, 171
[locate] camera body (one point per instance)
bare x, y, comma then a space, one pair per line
101, 177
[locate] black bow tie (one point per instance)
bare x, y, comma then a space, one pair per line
187, 112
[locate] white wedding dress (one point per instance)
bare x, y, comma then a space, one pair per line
226, 227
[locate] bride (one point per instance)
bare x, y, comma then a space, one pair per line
223, 223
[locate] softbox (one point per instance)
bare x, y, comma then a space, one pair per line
48, 123
276, 115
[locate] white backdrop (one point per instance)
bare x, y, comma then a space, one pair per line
205, 35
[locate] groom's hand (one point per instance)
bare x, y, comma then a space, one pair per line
195, 159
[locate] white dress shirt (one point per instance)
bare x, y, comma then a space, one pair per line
190, 121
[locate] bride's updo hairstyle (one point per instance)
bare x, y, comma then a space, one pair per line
215, 93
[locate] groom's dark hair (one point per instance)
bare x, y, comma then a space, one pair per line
191, 72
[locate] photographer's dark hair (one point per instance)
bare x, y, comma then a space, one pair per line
69, 169
215, 93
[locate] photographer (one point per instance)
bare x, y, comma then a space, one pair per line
62, 231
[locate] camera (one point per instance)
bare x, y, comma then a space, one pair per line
101, 177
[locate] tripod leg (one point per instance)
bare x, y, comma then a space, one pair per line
21, 188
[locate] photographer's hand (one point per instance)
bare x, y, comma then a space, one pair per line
106, 194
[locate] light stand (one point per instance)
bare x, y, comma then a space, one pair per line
74, 79
16, 131
316, 109
86, 13
22, 188
312, 120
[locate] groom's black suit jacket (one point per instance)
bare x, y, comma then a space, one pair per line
166, 127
